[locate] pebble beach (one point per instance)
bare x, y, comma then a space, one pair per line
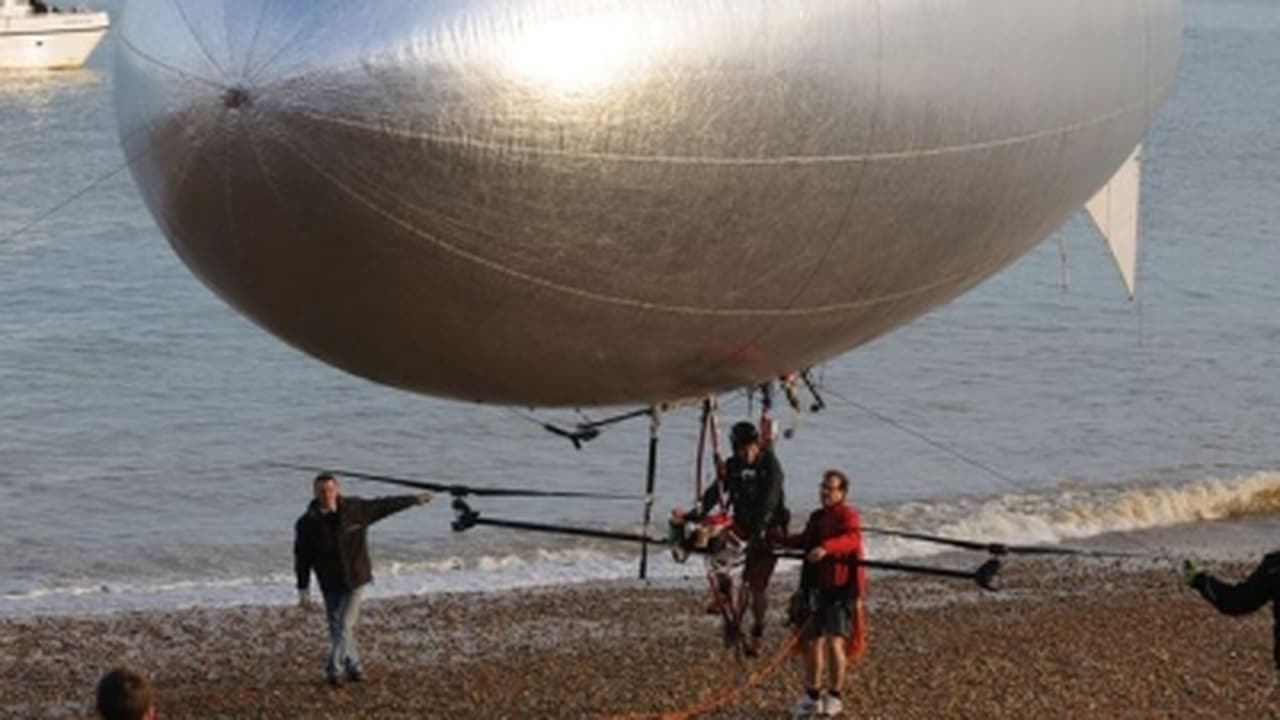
1061, 639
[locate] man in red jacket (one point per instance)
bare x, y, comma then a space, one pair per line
832, 585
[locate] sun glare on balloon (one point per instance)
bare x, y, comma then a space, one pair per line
575, 56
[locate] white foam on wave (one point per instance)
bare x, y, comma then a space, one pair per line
1063, 515
1076, 513
485, 573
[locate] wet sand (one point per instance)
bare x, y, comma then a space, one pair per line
1061, 640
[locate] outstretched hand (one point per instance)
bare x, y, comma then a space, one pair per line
1189, 573
423, 498
815, 555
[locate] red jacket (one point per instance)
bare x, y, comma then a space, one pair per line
838, 531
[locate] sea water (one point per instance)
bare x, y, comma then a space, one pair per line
140, 417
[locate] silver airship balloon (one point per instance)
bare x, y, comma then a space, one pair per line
582, 202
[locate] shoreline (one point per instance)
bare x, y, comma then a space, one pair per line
1063, 639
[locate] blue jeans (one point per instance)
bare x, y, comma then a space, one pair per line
341, 608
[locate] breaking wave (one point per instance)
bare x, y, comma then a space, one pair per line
1075, 514
1059, 516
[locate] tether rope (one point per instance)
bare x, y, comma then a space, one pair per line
727, 692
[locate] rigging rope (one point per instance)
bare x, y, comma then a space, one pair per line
1152, 552
128, 162
702, 447
727, 692
924, 438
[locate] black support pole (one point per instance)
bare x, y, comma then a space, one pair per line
562, 530
648, 490
466, 518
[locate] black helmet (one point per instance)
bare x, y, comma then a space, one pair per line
743, 433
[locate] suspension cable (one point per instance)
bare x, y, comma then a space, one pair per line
60, 205
1152, 552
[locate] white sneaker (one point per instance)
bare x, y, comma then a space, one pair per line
806, 707
830, 706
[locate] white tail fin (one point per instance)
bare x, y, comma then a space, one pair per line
1115, 211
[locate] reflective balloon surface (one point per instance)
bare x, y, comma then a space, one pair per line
569, 202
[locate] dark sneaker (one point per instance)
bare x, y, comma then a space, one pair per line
355, 676
729, 633
751, 648
335, 681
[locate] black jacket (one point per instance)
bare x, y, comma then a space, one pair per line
755, 493
334, 545
1262, 586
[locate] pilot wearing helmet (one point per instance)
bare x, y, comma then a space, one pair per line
752, 491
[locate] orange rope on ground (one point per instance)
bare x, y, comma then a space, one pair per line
724, 694
857, 646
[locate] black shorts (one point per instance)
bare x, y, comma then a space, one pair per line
831, 614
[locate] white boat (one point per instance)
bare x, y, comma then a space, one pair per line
34, 35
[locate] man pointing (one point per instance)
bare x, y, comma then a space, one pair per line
329, 538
